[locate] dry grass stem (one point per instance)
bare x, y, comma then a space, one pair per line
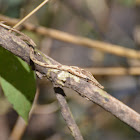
114, 71
30, 14
66, 37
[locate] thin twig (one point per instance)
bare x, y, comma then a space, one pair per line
66, 37
18, 129
31, 13
20, 125
66, 113
114, 70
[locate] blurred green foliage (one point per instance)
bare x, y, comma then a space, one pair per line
18, 82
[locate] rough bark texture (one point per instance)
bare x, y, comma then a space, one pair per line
87, 90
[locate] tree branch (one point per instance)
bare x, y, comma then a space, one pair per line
86, 42
66, 113
85, 89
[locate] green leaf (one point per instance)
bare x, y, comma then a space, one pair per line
18, 82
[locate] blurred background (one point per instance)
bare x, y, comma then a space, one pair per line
113, 21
